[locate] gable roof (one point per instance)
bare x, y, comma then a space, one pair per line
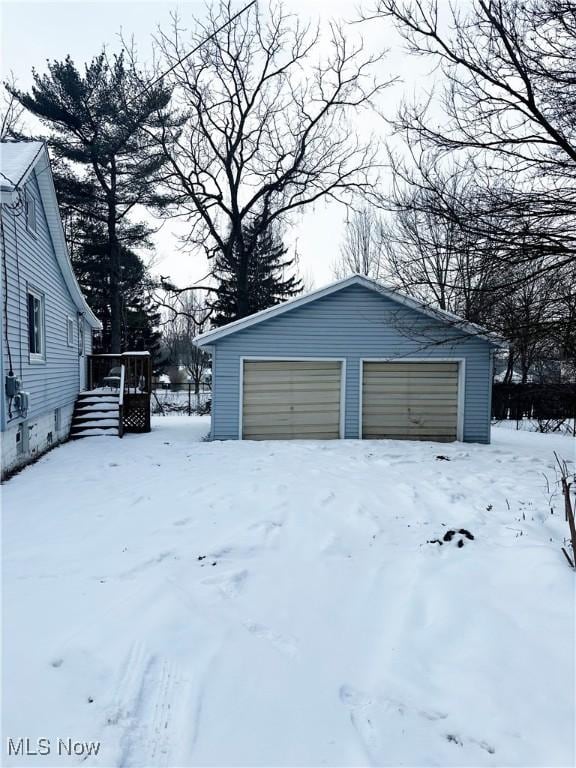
209, 337
18, 160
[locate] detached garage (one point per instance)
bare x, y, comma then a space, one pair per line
352, 360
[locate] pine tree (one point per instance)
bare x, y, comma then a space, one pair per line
271, 278
104, 120
139, 316
86, 237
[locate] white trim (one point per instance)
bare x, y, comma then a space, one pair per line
461, 400
30, 199
241, 398
70, 330
265, 358
461, 385
360, 398
440, 315
343, 399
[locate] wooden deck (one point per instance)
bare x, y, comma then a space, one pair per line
131, 374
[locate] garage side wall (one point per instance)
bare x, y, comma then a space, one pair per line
353, 323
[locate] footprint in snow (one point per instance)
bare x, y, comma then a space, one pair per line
287, 645
267, 529
228, 585
393, 733
335, 547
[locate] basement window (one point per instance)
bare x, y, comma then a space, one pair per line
20, 440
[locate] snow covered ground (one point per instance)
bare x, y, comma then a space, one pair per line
277, 604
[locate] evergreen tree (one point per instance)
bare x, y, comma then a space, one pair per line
271, 278
139, 315
104, 120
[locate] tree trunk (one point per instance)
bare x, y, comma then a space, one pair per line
115, 293
509, 367
243, 303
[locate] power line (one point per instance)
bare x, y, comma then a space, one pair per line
200, 44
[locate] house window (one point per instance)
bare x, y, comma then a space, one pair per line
81, 335
30, 213
57, 420
36, 325
70, 331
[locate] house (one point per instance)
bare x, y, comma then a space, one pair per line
45, 325
351, 360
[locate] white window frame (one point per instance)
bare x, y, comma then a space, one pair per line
37, 357
288, 359
81, 336
70, 330
31, 221
461, 385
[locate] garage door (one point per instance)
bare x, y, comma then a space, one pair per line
410, 401
289, 399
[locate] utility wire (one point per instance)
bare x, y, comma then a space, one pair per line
200, 44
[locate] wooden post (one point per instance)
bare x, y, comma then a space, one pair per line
189, 399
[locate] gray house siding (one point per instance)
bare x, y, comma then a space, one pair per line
31, 262
354, 323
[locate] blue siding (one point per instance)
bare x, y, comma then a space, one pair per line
31, 261
352, 323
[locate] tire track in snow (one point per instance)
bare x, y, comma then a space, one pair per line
399, 594
103, 617
149, 693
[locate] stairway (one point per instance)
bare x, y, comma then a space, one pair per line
96, 413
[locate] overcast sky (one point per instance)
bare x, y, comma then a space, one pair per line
32, 32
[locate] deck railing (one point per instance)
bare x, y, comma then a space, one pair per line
134, 370
138, 374
121, 401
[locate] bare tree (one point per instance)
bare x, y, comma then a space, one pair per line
510, 103
187, 318
267, 130
11, 111
431, 251
361, 249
